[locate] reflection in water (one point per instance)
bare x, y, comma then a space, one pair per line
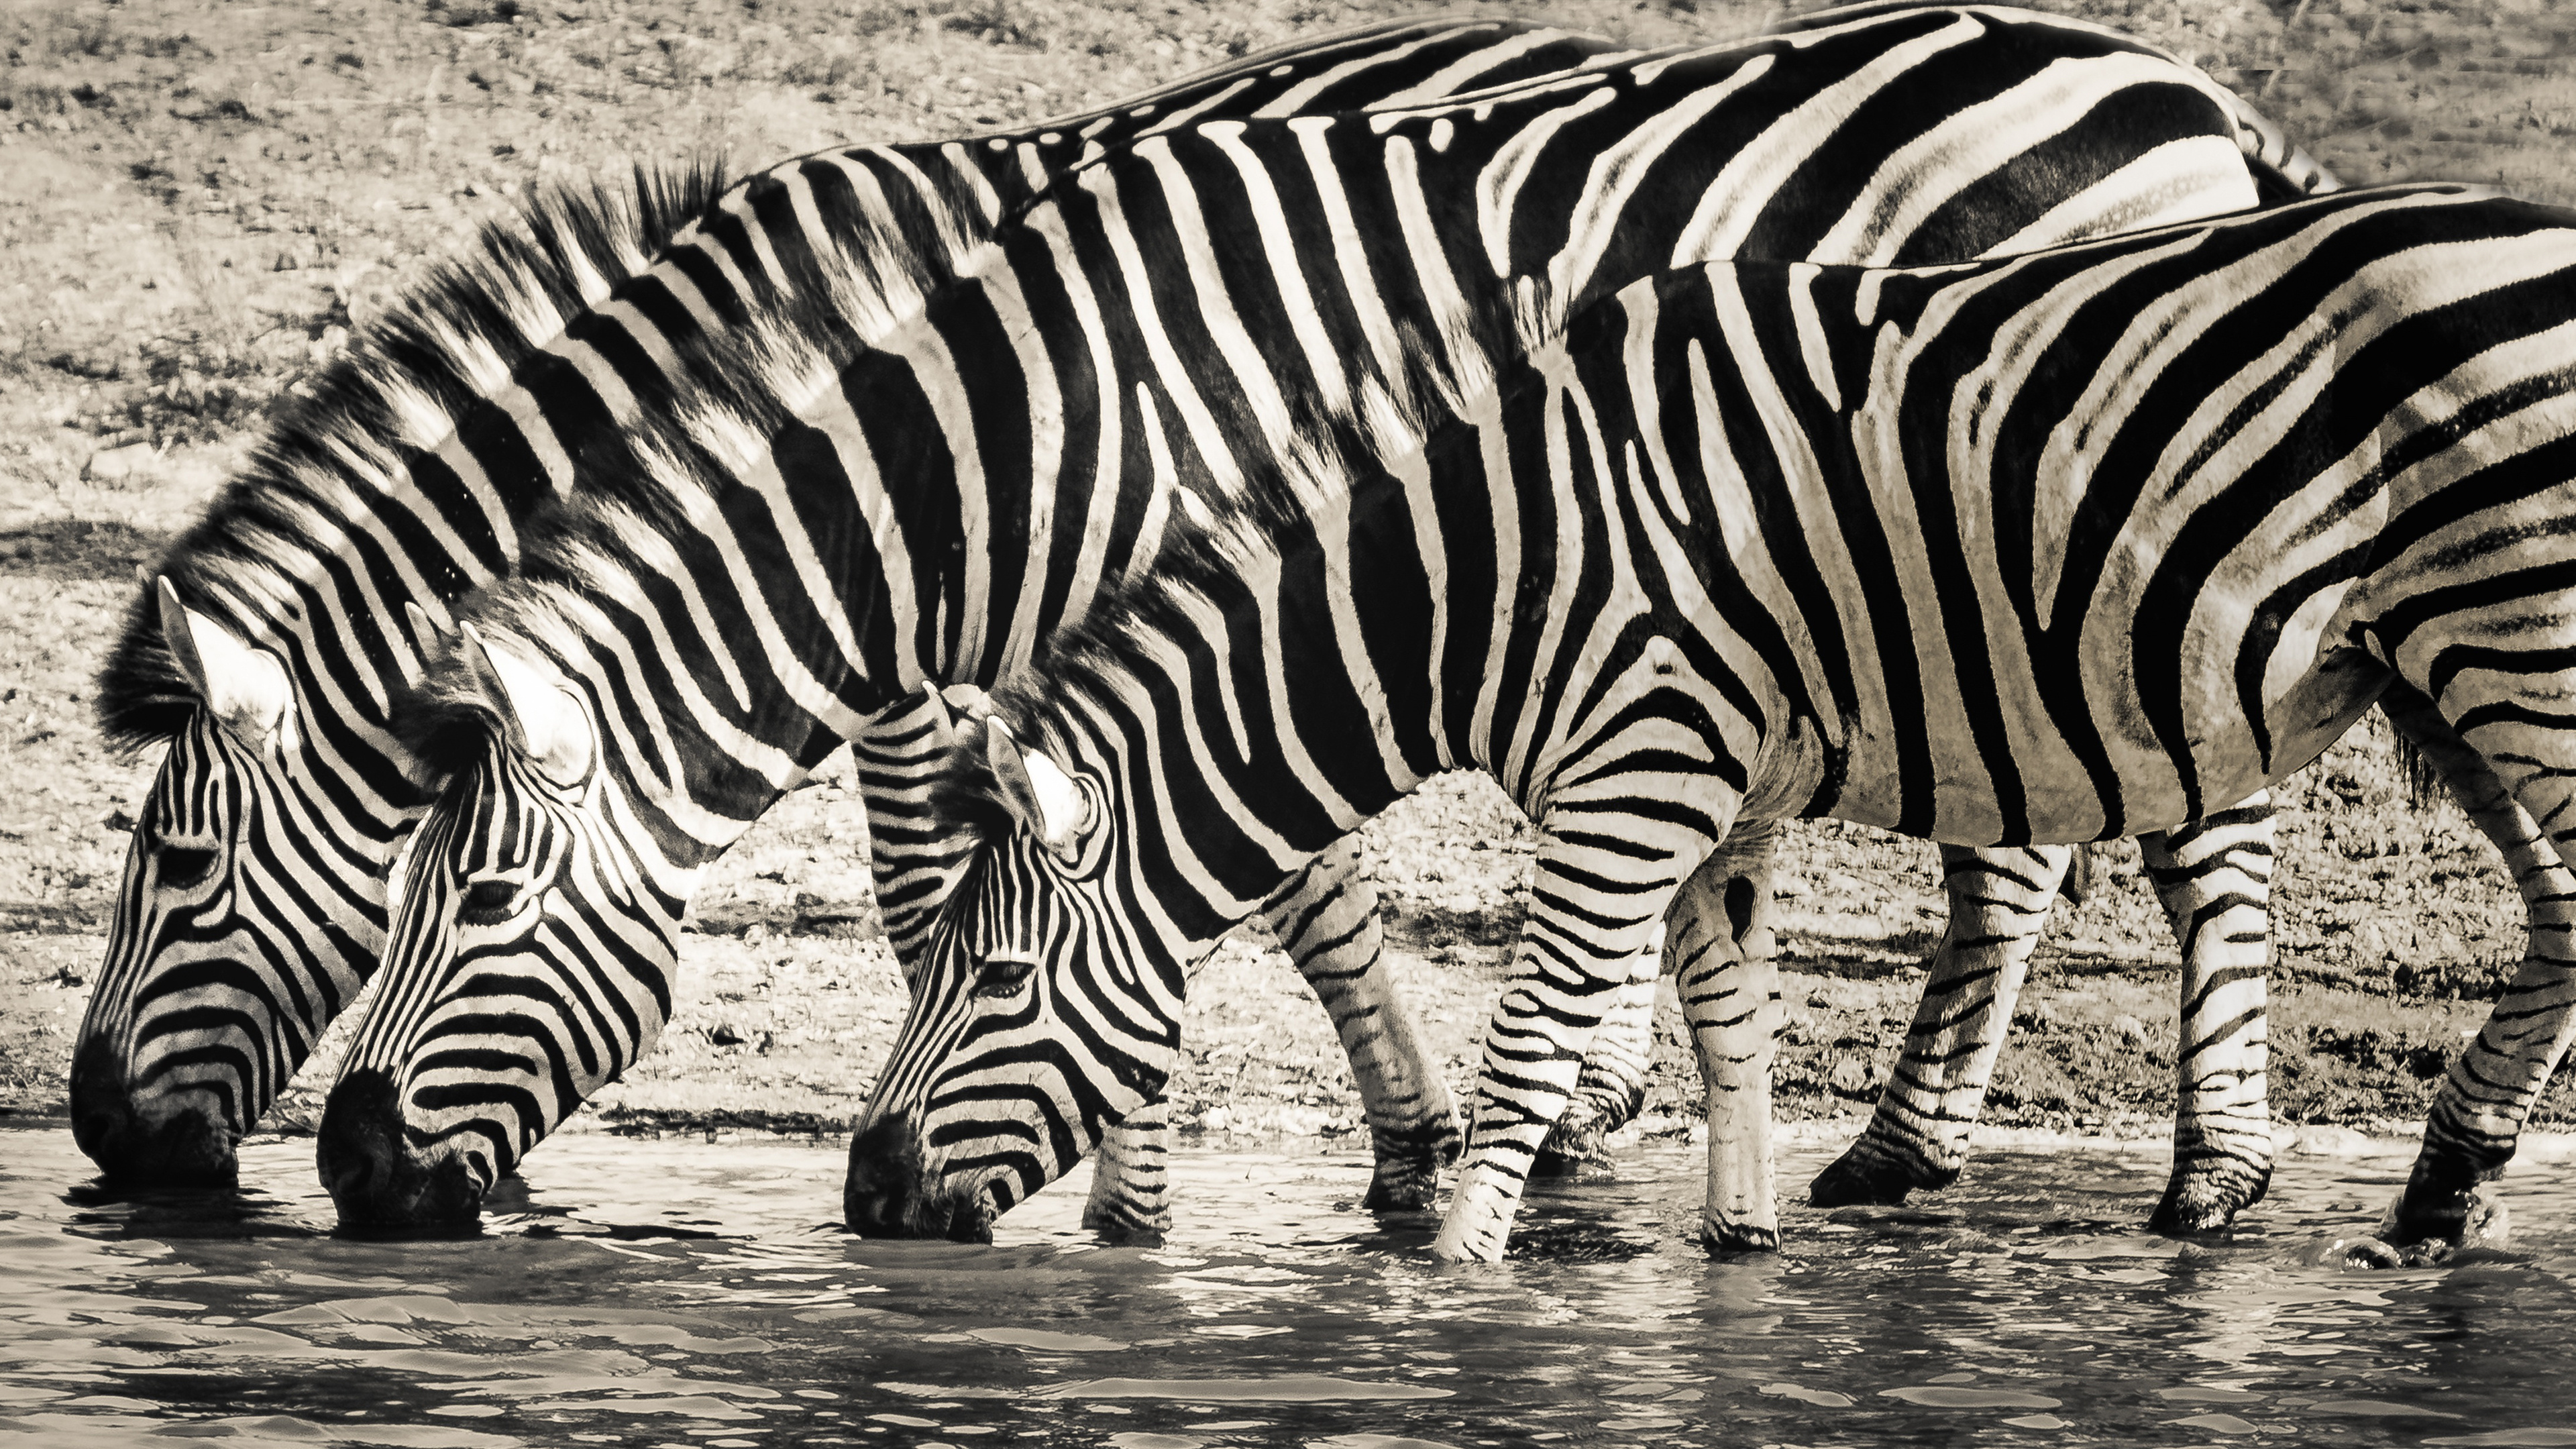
687, 1294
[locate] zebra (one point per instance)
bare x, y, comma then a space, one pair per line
269, 650
534, 946
2052, 547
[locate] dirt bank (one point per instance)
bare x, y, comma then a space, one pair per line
203, 200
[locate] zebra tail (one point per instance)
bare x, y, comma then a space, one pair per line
2424, 784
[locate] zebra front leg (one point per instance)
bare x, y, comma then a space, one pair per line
1918, 1137
2477, 1117
2215, 879
1718, 938
1326, 919
1131, 1186
1612, 1088
1596, 898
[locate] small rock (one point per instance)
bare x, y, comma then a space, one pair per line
1216, 1119
1849, 1077
2329, 1141
116, 464
2130, 1027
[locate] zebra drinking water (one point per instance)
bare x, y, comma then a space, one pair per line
268, 655
2052, 547
1167, 323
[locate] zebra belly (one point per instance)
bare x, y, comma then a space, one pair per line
2143, 749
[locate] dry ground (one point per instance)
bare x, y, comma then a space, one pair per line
201, 199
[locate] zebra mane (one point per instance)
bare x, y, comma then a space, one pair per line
611, 535
330, 454
613, 541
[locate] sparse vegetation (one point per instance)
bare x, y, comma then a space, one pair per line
204, 201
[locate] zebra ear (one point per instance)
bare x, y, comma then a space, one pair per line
540, 718
246, 689
425, 627
1040, 796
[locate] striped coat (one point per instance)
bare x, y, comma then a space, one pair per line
289, 619
2048, 548
1171, 323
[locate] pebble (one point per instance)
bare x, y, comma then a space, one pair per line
114, 464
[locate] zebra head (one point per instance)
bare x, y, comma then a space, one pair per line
470, 1054
243, 923
1037, 1020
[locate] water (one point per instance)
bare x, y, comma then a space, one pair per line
695, 1294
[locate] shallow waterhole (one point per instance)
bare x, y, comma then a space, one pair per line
678, 1292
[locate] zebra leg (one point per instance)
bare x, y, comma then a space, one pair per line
1326, 919
2215, 879
1131, 1187
1918, 1137
1597, 896
1718, 940
1612, 1088
2477, 1118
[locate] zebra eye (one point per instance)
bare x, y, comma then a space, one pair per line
184, 866
489, 902
1004, 975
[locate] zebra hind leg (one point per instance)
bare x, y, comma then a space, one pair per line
1612, 1089
1918, 1137
1326, 919
2477, 1117
2215, 879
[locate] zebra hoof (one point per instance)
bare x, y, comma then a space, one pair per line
1403, 1187
2202, 1200
1572, 1167
1123, 1232
2471, 1217
1574, 1151
1724, 1239
1409, 1161
1867, 1175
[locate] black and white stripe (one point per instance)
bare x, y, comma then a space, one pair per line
409, 478
846, 525
2043, 549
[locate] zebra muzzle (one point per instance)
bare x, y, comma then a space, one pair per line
376, 1177
176, 1140
890, 1192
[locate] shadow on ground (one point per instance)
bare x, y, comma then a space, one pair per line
80, 550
